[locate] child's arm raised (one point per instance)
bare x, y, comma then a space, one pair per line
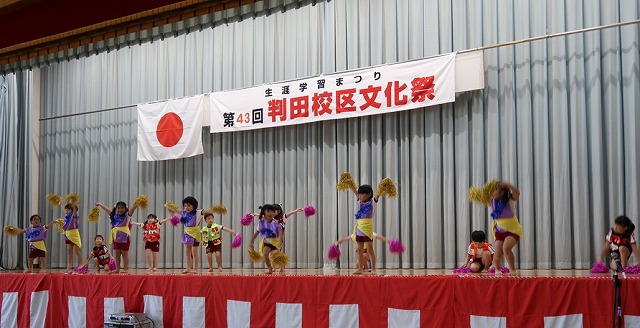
106, 209
164, 220
297, 210
50, 224
132, 209
17, 230
137, 223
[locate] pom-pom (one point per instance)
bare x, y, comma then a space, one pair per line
334, 252
255, 256
279, 258
247, 219
237, 241
387, 187
94, 215
599, 267
484, 195
175, 220
53, 200
395, 246
634, 269
11, 230
172, 207
492, 270
81, 270
58, 223
219, 209
141, 201
346, 182
464, 269
112, 265
309, 211
72, 198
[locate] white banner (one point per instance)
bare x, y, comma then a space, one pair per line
369, 91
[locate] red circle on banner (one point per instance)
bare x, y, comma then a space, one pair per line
169, 130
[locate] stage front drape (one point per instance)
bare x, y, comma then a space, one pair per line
558, 118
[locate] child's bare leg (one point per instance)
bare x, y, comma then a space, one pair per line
218, 261
95, 260
267, 261
118, 255
497, 257
76, 249
187, 254
509, 244
149, 259
194, 251
475, 267
69, 256
125, 258
361, 259
155, 261
624, 256
30, 268
486, 261
372, 256
43, 264
210, 261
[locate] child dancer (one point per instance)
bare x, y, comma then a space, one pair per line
100, 254
479, 253
71, 235
364, 225
621, 240
151, 237
270, 232
506, 227
192, 236
212, 239
35, 235
120, 218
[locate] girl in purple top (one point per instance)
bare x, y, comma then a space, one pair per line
35, 235
270, 232
71, 235
192, 236
120, 220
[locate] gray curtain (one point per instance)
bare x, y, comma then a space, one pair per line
557, 118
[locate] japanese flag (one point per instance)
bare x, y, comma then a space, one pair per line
170, 129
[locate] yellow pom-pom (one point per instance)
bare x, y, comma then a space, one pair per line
255, 256
72, 198
11, 230
279, 258
142, 201
219, 209
387, 187
346, 182
94, 215
53, 200
58, 223
484, 195
172, 207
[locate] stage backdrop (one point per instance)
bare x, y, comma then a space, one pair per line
558, 118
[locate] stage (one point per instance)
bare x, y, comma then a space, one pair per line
319, 298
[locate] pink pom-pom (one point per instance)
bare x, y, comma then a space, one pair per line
237, 241
599, 267
309, 211
634, 269
247, 219
112, 265
492, 270
175, 220
503, 270
81, 270
334, 252
464, 269
395, 246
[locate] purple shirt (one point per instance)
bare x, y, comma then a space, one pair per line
36, 234
70, 222
364, 214
507, 212
271, 229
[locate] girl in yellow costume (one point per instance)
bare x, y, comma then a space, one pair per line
505, 225
35, 236
270, 232
364, 225
120, 236
192, 236
71, 235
